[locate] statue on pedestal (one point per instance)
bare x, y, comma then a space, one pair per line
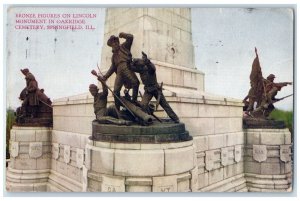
262, 92
36, 109
132, 120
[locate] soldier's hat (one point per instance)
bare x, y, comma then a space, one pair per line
271, 76
112, 39
93, 87
25, 71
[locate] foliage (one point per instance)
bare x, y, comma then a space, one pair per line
286, 116
10, 120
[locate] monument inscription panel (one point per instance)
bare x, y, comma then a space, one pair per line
260, 153
285, 153
35, 149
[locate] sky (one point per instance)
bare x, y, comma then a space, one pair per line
224, 41
225, 38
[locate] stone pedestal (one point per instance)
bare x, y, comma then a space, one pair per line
157, 132
30, 159
267, 160
137, 167
215, 123
67, 161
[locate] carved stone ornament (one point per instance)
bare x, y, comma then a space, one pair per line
67, 153
224, 156
209, 160
237, 153
79, 157
259, 153
14, 150
55, 150
112, 184
285, 152
35, 149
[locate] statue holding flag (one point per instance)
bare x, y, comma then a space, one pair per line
262, 92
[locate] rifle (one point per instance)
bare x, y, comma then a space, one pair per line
159, 95
282, 98
156, 117
46, 104
152, 113
95, 73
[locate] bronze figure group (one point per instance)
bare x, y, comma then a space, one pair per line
262, 92
125, 68
36, 105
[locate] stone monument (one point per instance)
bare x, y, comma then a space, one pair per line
146, 132
216, 155
268, 142
214, 122
30, 147
262, 92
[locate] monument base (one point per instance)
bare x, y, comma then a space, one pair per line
35, 122
140, 167
267, 159
27, 180
250, 122
30, 159
158, 132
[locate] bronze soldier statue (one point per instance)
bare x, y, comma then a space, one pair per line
103, 114
120, 60
147, 72
262, 91
36, 109
30, 94
270, 91
273, 88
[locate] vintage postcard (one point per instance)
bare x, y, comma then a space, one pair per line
169, 99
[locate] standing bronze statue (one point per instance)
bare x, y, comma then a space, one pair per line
120, 60
125, 68
262, 91
146, 127
29, 94
147, 72
270, 91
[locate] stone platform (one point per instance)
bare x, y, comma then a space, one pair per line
156, 158
250, 122
30, 159
214, 122
267, 159
140, 167
166, 131
35, 122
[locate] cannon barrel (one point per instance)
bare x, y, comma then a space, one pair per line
146, 118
